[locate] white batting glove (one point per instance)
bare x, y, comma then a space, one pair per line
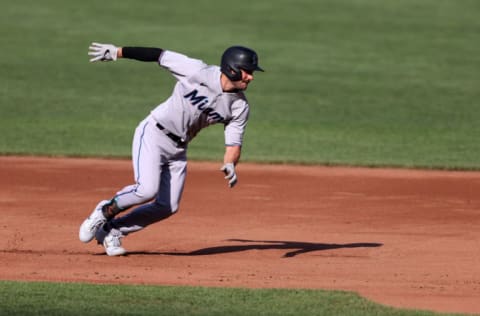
230, 175
102, 52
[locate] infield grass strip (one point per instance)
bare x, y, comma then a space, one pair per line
374, 82
41, 298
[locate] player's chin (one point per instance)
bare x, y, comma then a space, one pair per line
244, 86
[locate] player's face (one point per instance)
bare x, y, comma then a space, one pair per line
242, 84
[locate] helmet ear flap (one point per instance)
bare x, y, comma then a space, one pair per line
233, 73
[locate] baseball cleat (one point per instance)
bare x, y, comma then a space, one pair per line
113, 243
90, 226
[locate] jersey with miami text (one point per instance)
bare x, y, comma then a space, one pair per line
198, 101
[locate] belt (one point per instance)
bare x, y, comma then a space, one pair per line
177, 139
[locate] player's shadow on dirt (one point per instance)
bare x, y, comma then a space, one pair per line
297, 248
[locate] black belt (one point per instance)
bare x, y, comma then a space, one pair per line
177, 139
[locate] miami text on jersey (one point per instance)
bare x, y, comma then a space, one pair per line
201, 102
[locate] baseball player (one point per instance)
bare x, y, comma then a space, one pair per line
203, 95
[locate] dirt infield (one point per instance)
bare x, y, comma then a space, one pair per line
399, 237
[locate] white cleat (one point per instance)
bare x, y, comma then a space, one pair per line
113, 243
90, 226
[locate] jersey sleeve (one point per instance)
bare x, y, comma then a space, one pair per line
235, 128
181, 66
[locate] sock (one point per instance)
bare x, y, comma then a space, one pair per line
111, 209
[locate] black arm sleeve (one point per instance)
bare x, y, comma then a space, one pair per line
142, 53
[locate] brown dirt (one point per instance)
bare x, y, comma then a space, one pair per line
398, 237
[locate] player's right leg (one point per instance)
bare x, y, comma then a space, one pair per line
172, 181
146, 165
146, 162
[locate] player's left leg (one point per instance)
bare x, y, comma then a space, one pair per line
166, 203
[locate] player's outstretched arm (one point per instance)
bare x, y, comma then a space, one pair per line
109, 52
140, 53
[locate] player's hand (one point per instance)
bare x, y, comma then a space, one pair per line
102, 52
230, 175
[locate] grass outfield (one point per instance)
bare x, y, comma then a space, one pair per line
19, 298
349, 82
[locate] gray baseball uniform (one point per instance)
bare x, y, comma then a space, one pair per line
160, 140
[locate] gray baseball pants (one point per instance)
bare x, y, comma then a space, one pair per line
160, 167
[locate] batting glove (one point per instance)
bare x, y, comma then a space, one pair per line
230, 175
102, 52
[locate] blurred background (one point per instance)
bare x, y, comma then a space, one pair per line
347, 82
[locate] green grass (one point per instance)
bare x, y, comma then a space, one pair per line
349, 82
19, 298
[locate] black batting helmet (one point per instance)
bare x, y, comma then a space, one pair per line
236, 58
